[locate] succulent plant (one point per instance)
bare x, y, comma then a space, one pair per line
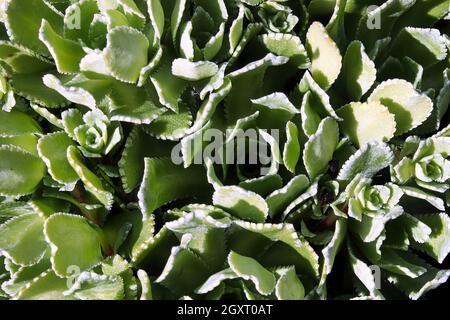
217, 149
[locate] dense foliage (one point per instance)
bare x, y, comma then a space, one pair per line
109, 188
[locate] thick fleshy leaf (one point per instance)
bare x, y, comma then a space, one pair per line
208, 237
326, 60
92, 183
367, 122
367, 161
169, 87
146, 290
139, 145
409, 106
20, 171
289, 286
23, 21
369, 30
66, 53
358, 71
425, 46
281, 198
331, 250
319, 102
364, 274
291, 150
157, 188
77, 20
22, 239
182, 259
276, 244
250, 269
193, 71
417, 287
320, 147
92, 286
73, 241
238, 104
435, 201
32, 87
16, 123
215, 280
47, 286
53, 151
126, 53
287, 45
170, 125
241, 203
24, 276
438, 243
274, 110
21, 59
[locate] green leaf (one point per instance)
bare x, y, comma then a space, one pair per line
66, 53
437, 202
193, 71
126, 53
215, 280
20, 170
289, 286
320, 101
281, 198
291, 151
425, 46
359, 71
410, 107
131, 164
369, 30
77, 20
156, 13
22, 239
250, 269
16, 123
170, 125
262, 185
74, 242
92, 183
157, 188
367, 122
23, 21
92, 286
415, 288
287, 45
146, 289
169, 87
32, 87
332, 248
395, 262
184, 271
275, 244
47, 286
363, 273
438, 243
367, 161
241, 203
53, 151
320, 147
326, 60
274, 110
208, 237
24, 276
21, 59
74, 94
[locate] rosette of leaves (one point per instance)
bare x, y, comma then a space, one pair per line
108, 104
